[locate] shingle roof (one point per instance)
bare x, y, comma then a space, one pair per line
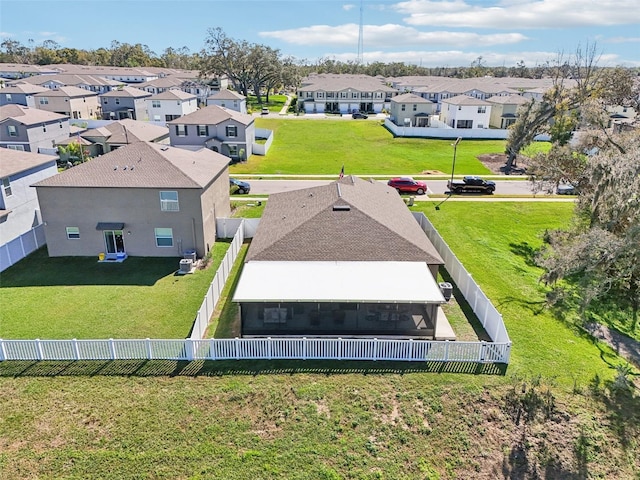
127, 92
508, 99
409, 98
212, 115
302, 225
69, 80
24, 88
128, 131
29, 116
163, 82
465, 100
144, 165
336, 83
172, 95
71, 92
14, 161
226, 94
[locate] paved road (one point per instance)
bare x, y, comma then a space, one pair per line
267, 187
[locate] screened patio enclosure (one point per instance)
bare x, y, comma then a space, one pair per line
336, 298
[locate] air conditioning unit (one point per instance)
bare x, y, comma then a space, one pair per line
447, 290
186, 264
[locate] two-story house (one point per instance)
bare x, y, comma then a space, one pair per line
19, 210
219, 129
463, 111
344, 94
91, 83
504, 109
31, 130
228, 99
171, 104
73, 102
411, 110
144, 199
127, 102
20, 94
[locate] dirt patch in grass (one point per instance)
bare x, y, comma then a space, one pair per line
496, 161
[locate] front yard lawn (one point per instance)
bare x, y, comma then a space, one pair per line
77, 297
363, 147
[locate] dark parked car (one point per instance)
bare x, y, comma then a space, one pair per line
238, 186
408, 185
359, 115
566, 189
471, 184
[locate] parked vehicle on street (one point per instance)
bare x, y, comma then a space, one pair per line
265, 111
471, 184
408, 185
566, 189
359, 115
238, 186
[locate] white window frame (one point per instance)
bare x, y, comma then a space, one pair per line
44, 101
155, 103
6, 187
8, 96
19, 148
482, 109
12, 131
169, 201
181, 130
231, 128
202, 130
73, 233
162, 234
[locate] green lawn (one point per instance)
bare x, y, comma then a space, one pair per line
275, 103
554, 414
364, 148
77, 297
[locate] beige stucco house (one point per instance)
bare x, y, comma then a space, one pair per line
504, 110
143, 199
71, 101
411, 110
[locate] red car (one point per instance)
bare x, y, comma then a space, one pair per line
408, 185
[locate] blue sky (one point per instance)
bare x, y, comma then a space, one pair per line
423, 32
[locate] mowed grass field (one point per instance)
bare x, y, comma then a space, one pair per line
554, 413
364, 148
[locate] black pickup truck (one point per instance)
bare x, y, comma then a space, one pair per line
471, 184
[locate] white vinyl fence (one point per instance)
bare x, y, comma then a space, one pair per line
18, 248
490, 318
286, 348
212, 296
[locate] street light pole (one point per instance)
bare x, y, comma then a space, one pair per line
453, 168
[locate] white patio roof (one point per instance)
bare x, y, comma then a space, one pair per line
374, 282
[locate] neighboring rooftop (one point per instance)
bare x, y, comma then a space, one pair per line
14, 161
212, 115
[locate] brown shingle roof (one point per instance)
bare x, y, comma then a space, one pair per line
226, 94
71, 92
128, 131
14, 161
465, 100
144, 165
303, 225
172, 95
29, 116
130, 92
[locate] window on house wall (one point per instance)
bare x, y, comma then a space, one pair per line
12, 130
415, 107
482, 109
60, 123
232, 131
203, 130
73, 233
155, 103
169, 201
44, 127
117, 101
6, 187
181, 130
44, 101
105, 100
8, 97
233, 150
164, 237
403, 107
19, 148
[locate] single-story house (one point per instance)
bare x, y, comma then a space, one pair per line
343, 259
144, 199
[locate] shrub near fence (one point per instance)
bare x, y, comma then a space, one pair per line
196, 348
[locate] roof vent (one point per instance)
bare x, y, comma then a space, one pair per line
341, 208
116, 167
164, 149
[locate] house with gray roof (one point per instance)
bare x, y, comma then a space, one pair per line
411, 110
126, 102
463, 111
170, 104
73, 102
144, 199
120, 133
219, 129
329, 93
504, 109
343, 259
228, 99
87, 82
30, 129
20, 94
19, 209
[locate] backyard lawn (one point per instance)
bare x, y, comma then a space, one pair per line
556, 413
363, 147
77, 297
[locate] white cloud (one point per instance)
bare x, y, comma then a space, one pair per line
386, 35
348, 6
6, 34
512, 14
622, 40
